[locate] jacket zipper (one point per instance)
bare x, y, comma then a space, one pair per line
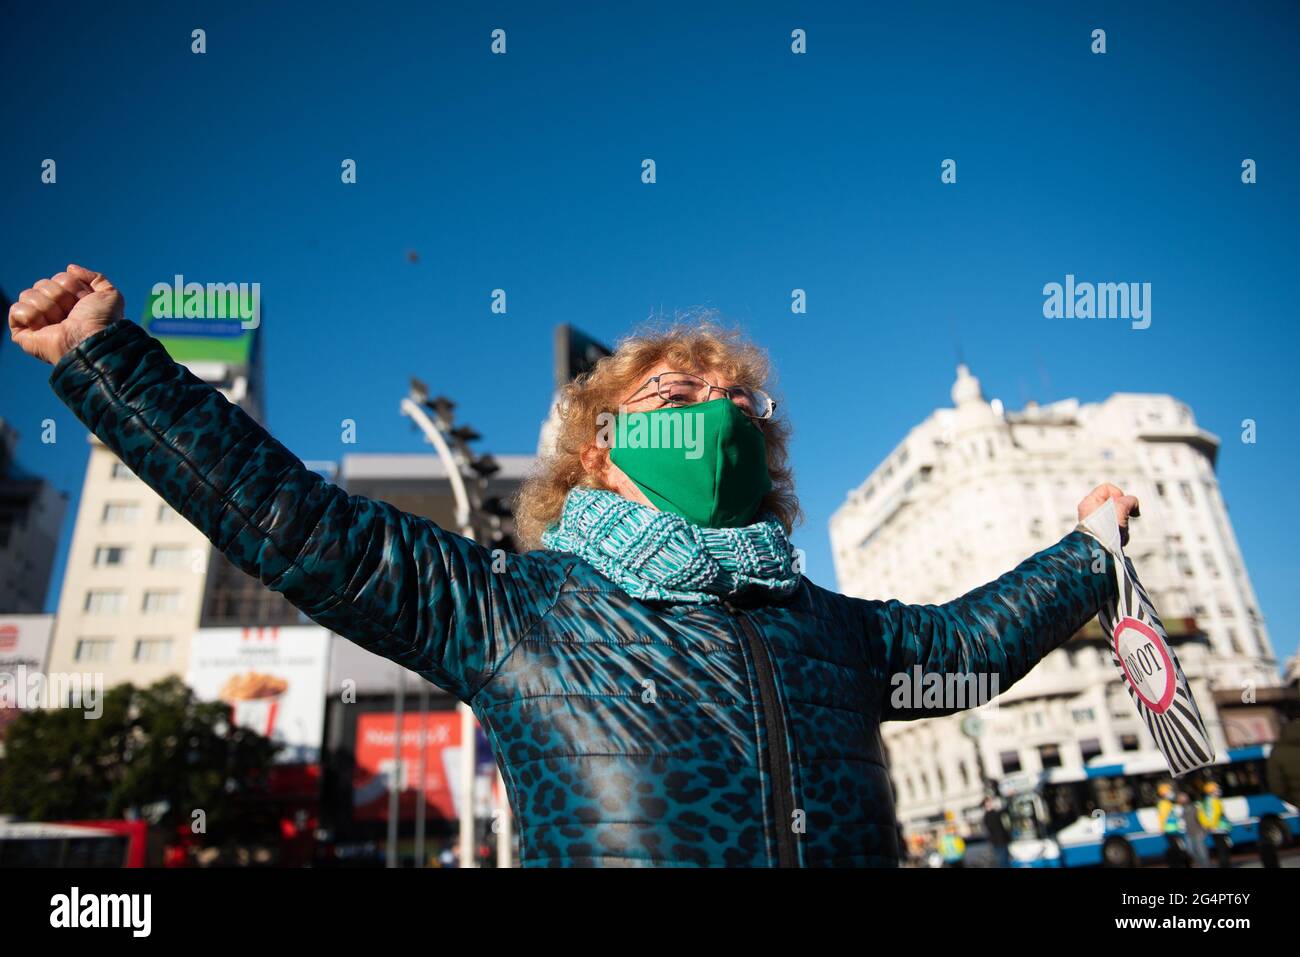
778, 755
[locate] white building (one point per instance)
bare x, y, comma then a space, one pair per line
975, 489
133, 586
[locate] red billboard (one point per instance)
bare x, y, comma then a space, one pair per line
376, 760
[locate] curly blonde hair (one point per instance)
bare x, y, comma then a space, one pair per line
698, 345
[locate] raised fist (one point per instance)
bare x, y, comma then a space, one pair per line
1126, 507
49, 319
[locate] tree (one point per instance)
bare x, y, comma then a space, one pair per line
155, 752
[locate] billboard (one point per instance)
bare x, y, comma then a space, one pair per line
201, 334
376, 762
272, 678
24, 645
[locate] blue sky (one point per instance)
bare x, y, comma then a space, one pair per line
775, 171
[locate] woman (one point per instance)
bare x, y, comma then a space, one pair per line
659, 684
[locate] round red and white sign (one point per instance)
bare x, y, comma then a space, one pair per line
1146, 663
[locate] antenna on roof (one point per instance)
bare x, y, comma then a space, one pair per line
956, 342
1043, 375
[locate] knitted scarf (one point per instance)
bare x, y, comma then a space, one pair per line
659, 556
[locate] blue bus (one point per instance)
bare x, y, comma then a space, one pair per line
1105, 813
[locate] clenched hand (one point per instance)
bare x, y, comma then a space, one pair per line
55, 314
1125, 506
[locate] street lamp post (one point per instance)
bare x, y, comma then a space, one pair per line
452, 445
422, 769
395, 782
972, 726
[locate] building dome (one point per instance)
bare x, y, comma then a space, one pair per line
966, 389
973, 411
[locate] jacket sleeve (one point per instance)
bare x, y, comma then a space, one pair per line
995, 633
395, 583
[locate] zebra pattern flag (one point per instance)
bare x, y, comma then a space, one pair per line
1139, 646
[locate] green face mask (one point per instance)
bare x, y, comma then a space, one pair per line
706, 462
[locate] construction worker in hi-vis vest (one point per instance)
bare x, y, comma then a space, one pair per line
1170, 816
1210, 812
952, 848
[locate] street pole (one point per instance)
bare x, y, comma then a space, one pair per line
972, 726
423, 772
415, 411
468, 760
505, 825
395, 782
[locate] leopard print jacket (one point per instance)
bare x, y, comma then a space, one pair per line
628, 733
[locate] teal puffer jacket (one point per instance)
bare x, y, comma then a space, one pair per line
628, 733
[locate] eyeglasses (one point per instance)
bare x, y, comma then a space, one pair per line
682, 388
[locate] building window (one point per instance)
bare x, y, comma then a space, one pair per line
120, 471
162, 602
1089, 748
1129, 742
1186, 489
1208, 559
167, 514
1084, 715
153, 650
103, 602
1160, 489
94, 649
110, 556
1236, 645
167, 556
1010, 761
1049, 755
121, 513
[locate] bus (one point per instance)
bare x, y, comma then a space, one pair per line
1104, 814
73, 843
